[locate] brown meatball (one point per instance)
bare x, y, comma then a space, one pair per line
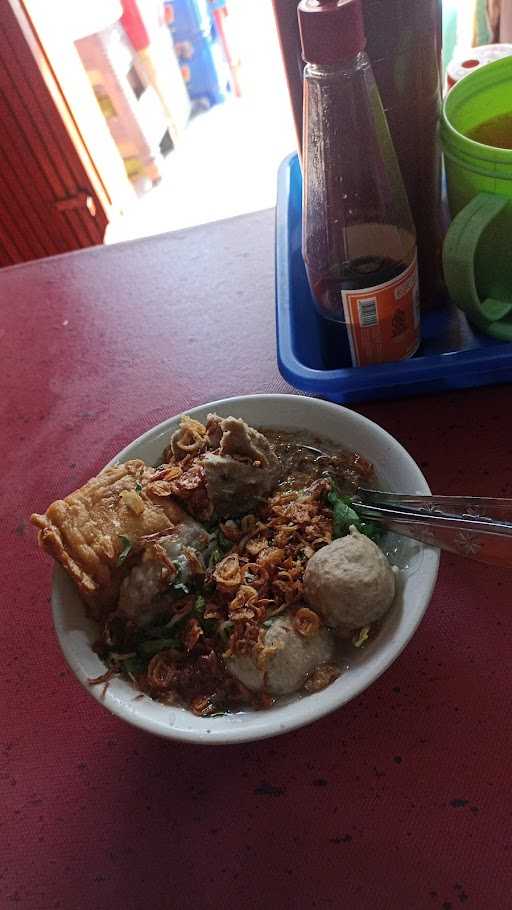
291, 658
349, 583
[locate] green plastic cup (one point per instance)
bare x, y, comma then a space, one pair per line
476, 255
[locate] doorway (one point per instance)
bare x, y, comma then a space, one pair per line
227, 160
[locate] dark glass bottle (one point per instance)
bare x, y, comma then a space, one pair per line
404, 47
359, 240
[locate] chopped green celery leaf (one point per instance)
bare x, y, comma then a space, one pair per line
176, 627
215, 557
209, 626
156, 631
371, 530
159, 644
211, 526
199, 605
161, 619
134, 665
223, 543
225, 630
126, 548
179, 568
181, 588
344, 515
178, 584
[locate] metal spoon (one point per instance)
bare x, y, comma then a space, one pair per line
477, 527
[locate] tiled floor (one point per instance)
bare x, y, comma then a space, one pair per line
227, 161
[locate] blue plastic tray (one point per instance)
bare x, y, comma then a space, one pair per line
452, 355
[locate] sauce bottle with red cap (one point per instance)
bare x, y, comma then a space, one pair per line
358, 236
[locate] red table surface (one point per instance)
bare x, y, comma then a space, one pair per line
399, 800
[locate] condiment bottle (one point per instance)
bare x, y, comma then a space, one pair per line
404, 47
359, 240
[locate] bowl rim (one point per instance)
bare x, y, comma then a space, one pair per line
264, 724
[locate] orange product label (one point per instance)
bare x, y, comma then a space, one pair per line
383, 322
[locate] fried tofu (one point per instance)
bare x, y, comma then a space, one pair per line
92, 530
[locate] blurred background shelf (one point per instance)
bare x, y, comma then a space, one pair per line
190, 128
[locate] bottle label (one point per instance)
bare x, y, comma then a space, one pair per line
383, 322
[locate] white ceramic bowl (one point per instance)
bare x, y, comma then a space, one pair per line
396, 471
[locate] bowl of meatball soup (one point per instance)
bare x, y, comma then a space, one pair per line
232, 591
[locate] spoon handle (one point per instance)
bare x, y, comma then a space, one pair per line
475, 527
486, 508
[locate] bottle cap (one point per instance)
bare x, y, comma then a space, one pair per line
331, 30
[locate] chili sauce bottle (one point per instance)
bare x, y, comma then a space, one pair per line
358, 236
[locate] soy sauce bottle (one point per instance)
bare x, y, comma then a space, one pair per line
358, 236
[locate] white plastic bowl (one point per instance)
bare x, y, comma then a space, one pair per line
396, 471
